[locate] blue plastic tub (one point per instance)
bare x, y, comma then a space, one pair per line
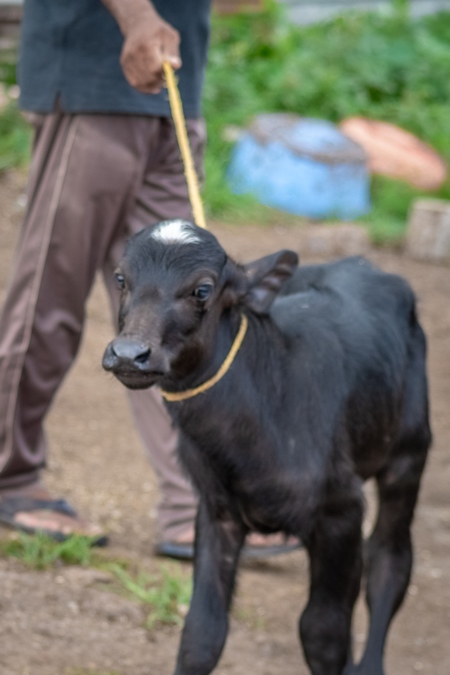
300, 165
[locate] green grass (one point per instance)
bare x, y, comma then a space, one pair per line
41, 552
392, 200
168, 593
15, 132
15, 138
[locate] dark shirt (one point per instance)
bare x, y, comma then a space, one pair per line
70, 51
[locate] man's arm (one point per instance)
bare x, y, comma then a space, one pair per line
149, 41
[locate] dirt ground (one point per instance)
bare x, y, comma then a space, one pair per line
67, 622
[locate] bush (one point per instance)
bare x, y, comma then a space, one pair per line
15, 133
15, 136
382, 66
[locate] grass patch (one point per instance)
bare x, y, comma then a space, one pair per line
168, 593
40, 552
15, 138
15, 132
392, 200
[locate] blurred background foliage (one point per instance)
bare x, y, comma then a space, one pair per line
383, 66
14, 131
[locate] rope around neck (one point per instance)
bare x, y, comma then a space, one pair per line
224, 368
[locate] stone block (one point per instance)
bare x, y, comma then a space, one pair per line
428, 234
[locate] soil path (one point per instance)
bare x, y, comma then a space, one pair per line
66, 622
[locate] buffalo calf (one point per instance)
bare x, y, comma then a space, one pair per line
327, 389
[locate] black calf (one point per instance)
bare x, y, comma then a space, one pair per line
327, 389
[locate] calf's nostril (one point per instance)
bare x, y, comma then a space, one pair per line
109, 358
143, 357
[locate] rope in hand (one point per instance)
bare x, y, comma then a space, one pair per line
183, 141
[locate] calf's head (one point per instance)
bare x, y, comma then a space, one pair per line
176, 282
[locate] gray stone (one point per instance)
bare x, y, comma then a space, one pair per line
428, 235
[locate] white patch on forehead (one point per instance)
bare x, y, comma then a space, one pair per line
175, 232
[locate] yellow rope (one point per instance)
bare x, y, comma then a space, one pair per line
189, 393
180, 127
199, 218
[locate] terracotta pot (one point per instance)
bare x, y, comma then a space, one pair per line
394, 152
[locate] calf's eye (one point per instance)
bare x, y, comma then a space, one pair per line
120, 280
203, 291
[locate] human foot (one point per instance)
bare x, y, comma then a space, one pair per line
268, 545
32, 509
257, 546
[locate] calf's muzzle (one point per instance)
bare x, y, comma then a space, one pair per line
129, 359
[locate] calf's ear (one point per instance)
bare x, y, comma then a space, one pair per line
266, 278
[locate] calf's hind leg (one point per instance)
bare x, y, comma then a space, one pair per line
335, 553
389, 549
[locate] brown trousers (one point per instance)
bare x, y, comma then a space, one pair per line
94, 180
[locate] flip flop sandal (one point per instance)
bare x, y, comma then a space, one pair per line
10, 506
171, 549
252, 552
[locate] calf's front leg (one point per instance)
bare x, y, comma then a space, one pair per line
217, 548
335, 553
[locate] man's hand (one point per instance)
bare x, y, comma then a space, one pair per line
146, 46
149, 41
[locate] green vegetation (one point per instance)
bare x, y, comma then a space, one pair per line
15, 132
385, 67
40, 551
15, 138
168, 594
